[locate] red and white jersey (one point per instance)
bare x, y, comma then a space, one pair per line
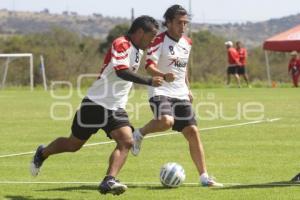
242, 55
233, 56
169, 55
109, 90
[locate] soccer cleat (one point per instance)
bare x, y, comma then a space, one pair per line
296, 178
210, 182
37, 161
111, 185
137, 142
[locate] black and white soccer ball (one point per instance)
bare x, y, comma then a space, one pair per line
172, 175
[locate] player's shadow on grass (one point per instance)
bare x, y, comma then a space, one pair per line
19, 197
85, 188
82, 188
148, 187
263, 185
156, 187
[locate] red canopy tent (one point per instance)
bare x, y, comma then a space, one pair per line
284, 42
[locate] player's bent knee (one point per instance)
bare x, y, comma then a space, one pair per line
74, 148
194, 129
125, 145
128, 144
191, 132
75, 145
123, 137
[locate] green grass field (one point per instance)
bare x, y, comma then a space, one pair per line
255, 161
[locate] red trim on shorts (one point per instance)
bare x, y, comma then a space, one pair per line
120, 67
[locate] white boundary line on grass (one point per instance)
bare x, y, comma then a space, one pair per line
162, 134
136, 183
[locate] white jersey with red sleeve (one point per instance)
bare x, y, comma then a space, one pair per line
109, 90
169, 55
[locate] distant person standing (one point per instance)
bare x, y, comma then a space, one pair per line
294, 68
241, 70
233, 63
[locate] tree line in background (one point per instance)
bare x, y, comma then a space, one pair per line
68, 55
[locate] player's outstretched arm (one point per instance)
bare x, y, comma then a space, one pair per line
128, 75
153, 71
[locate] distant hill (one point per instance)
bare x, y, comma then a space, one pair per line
253, 34
97, 26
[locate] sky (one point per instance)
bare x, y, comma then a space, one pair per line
203, 11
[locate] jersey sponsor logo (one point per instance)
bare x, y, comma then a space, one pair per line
178, 63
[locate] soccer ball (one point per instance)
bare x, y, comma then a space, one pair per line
172, 175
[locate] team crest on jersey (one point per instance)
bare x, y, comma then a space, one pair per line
184, 49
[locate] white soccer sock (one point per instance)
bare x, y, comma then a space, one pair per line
203, 177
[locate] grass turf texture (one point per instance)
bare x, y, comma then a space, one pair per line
253, 155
